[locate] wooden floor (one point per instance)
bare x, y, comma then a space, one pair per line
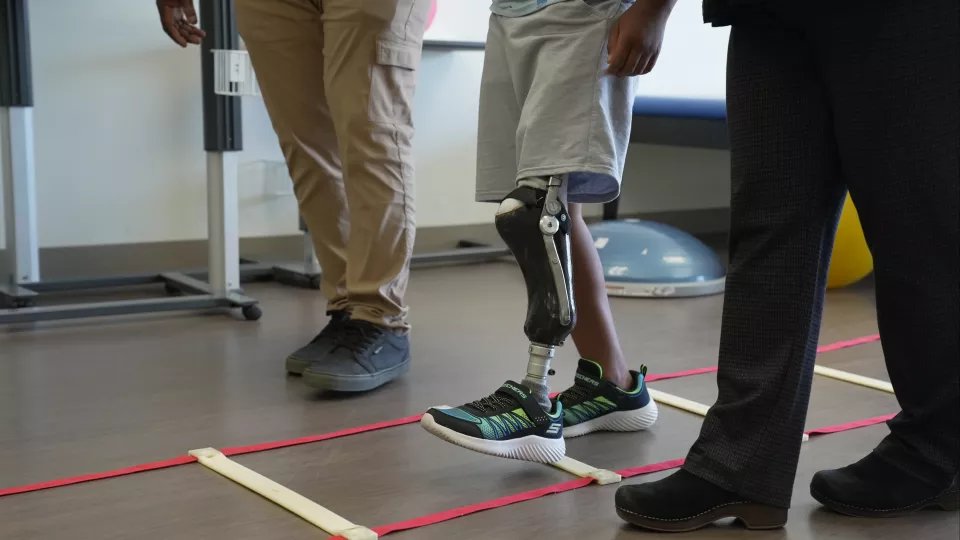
88, 396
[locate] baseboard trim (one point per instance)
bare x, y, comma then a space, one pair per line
136, 259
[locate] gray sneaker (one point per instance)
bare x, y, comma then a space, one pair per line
364, 357
320, 346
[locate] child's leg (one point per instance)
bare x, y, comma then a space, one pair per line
553, 128
595, 335
606, 394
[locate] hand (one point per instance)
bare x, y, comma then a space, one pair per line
636, 37
179, 20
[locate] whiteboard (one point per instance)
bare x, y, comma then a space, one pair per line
463, 21
692, 63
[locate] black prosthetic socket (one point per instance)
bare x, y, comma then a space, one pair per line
551, 313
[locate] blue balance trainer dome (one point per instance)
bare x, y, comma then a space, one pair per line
648, 259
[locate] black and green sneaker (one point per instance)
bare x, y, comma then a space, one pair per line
595, 404
509, 423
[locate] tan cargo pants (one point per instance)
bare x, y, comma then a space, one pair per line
338, 80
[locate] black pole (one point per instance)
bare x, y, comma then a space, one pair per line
222, 125
16, 85
611, 209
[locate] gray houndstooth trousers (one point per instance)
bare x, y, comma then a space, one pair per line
865, 96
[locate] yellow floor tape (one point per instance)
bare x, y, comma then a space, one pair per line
853, 378
292, 501
602, 476
687, 405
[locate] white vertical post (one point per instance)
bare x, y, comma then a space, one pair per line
19, 195
223, 223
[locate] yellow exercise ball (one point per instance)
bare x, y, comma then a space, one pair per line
851, 260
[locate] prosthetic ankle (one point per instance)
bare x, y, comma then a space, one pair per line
534, 223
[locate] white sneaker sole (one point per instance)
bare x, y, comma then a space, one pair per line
530, 448
636, 420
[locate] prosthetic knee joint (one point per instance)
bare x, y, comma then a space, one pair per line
535, 225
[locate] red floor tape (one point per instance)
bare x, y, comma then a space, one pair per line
850, 425
650, 469
156, 465
183, 460
240, 450
447, 515
849, 343
571, 485
826, 348
653, 377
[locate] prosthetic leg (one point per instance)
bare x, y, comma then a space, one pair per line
534, 223
518, 421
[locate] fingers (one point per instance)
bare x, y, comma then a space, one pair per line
635, 61
189, 11
169, 21
631, 62
614, 36
627, 57
613, 42
619, 59
180, 23
651, 63
638, 69
643, 65
191, 33
189, 20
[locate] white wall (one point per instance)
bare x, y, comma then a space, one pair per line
119, 138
